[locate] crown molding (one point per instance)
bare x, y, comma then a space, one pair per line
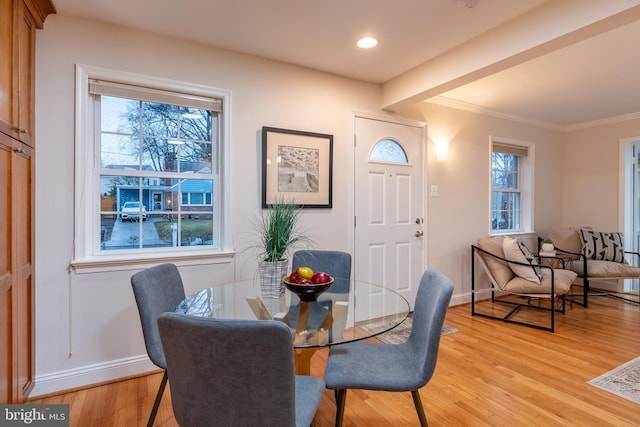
466, 106
603, 122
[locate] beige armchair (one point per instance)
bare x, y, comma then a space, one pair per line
595, 255
510, 296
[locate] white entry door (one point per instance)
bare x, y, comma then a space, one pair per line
389, 219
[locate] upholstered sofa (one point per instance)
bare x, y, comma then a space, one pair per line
519, 277
594, 255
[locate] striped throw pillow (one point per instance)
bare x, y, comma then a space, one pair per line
598, 245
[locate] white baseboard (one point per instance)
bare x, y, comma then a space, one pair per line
460, 299
93, 374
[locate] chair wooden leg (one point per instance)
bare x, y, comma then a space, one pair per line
341, 399
156, 404
418, 403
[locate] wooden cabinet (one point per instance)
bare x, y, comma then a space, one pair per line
19, 20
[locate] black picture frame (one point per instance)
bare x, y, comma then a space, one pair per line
298, 166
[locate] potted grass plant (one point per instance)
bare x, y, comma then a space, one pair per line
279, 232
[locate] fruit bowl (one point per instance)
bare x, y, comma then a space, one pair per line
307, 292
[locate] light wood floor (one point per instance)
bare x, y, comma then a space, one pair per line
488, 374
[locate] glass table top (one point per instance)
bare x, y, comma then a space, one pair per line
334, 318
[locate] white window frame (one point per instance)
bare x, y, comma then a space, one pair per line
87, 253
525, 185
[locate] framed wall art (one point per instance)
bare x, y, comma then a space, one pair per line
298, 166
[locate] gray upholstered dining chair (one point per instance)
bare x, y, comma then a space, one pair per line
394, 367
235, 373
335, 263
338, 265
157, 290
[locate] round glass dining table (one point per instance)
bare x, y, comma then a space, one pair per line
350, 310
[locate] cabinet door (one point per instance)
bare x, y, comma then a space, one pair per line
17, 339
24, 99
6, 279
6, 66
19, 20
22, 204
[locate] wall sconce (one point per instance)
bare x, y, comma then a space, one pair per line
441, 149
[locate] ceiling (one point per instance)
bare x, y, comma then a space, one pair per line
592, 77
594, 80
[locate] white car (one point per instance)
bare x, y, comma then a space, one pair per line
131, 211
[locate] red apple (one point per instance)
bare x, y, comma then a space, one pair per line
293, 277
321, 277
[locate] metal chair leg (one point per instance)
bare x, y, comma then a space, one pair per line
156, 404
418, 403
341, 399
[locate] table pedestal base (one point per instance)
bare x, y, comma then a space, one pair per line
302, 359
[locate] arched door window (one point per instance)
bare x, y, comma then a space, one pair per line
388, 150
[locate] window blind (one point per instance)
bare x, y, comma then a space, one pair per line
102, 87
516, 150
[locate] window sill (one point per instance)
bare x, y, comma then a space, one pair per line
116, 263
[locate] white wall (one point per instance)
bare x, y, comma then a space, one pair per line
592, 175
87, 326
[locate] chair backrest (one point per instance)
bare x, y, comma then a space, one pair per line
335, 263
499, 271
432, 301
157, 290
567, 239
229, 372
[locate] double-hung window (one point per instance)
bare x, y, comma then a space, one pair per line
511, 189
148, 167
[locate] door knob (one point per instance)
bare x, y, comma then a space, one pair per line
419, 233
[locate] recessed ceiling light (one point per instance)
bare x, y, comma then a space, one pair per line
367, 42
467, 4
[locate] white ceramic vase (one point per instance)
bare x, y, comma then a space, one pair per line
547, 247
271, 274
